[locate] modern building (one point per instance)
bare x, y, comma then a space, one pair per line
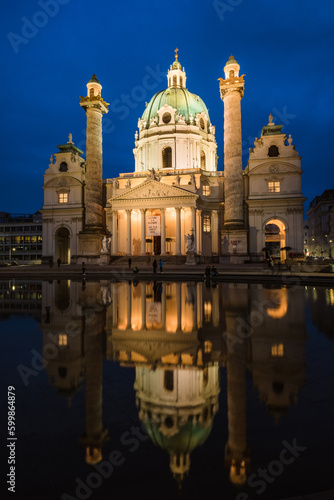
21, 238
321, 225
175, 202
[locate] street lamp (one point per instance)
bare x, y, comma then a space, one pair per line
10, 253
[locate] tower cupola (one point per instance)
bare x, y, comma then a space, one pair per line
176, 76
232, 68
94, 87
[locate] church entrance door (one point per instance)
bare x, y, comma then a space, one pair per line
275, 239
63, 245
157, 245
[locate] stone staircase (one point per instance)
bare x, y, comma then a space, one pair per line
147, 260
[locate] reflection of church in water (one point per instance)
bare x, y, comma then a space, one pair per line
178, 336
175, 193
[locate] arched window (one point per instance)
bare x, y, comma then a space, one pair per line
91, 92
169, 380
273, 151
203, 160
231, 74
62, 371
174, 81
167, 157
202, 124
63, 167
205, 376
181, 81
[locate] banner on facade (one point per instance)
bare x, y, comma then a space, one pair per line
153, 225
153, 312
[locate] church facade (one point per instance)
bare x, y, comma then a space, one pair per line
175, 202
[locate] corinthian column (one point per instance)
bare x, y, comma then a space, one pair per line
178, 230
143, 232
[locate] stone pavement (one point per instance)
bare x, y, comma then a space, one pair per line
227, 272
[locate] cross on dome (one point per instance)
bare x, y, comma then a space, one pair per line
176, 75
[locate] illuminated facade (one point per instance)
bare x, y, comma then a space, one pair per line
175, 202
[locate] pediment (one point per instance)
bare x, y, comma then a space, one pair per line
270, 167
152, 190
62, 182
153, 347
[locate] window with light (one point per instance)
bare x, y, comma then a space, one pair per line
206, 224
277, 350
206, 190
274, 187
62, 339
62, 197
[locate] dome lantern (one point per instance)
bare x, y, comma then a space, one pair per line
176, 76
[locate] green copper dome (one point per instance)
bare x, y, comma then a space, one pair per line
94, 79
188, 438
181, 99
231, 60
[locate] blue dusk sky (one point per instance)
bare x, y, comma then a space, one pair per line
51, 48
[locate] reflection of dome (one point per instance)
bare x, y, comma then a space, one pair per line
188, 437
180, 445
177, 407
180, 99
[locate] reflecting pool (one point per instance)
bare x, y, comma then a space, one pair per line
163, 390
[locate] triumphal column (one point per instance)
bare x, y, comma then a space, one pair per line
94, 226
234, 232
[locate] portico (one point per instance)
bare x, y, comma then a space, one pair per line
151, 218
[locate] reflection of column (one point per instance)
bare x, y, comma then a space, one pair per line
199, 231
236, 453
128, 232
143, 306
114, 292
215, 306
199, 305
163, 232
143, 232
114, 232
178, 305
214, 232
195, 307
193, 226
128, 305
94, 435
163, 306
178, 230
